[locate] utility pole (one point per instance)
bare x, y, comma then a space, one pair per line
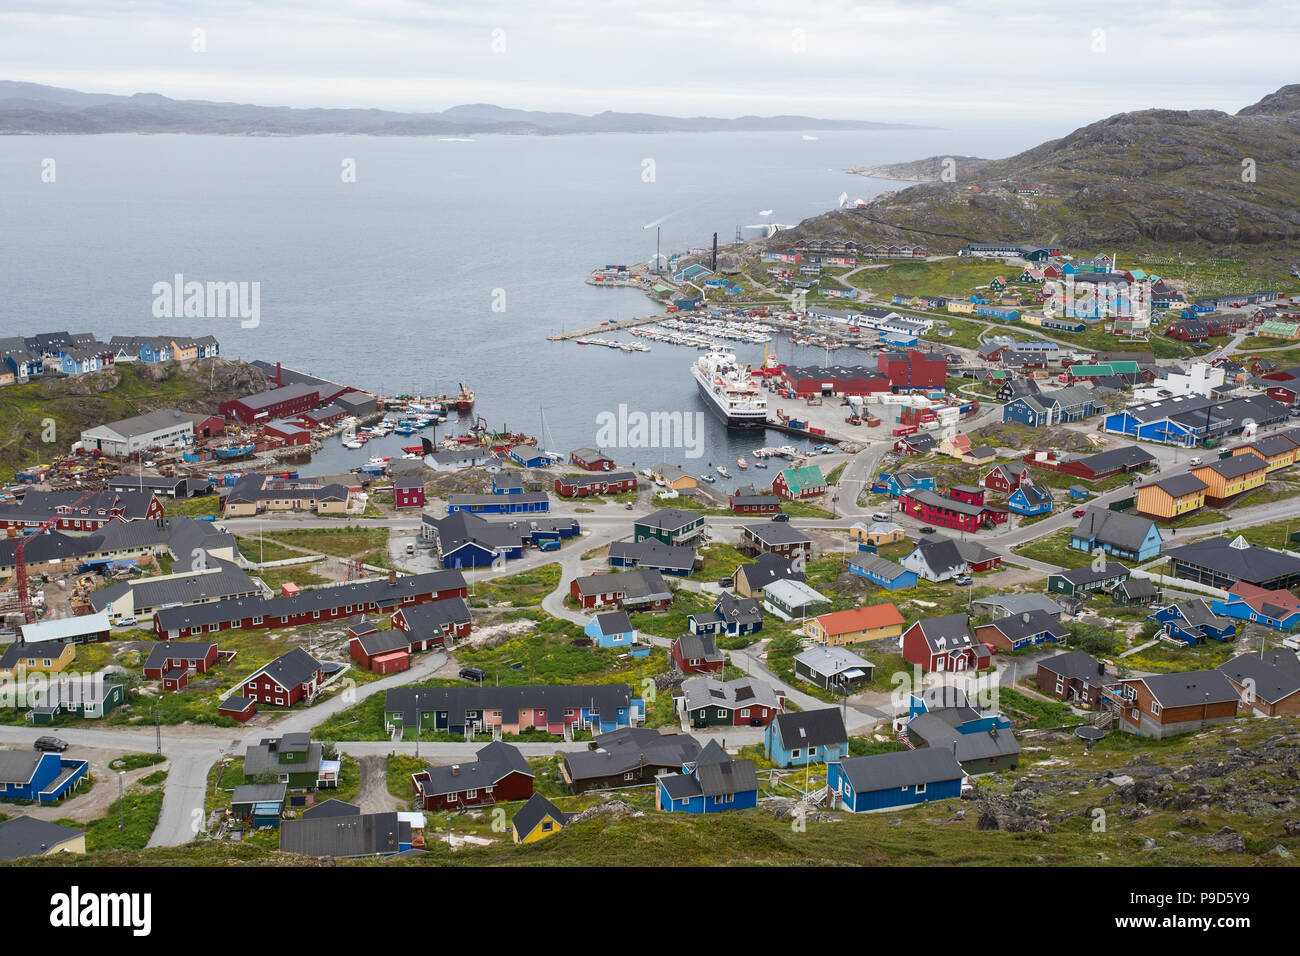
157, 729
121, 801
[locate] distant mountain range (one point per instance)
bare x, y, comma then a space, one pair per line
1154, 178
29, 108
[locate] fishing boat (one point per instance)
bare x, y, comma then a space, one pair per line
404, 430
723, 472
353, 444
709, 478
760, 464
741, 463
233, 451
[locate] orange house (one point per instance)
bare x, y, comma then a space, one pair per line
855, 625
1277, 451
1171, 497
1227, 478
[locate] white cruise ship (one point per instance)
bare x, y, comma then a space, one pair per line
731, 394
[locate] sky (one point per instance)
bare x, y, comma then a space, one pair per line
937, 63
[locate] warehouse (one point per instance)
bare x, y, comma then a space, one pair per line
273, 404
130, 435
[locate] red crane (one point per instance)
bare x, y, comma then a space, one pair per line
20, 558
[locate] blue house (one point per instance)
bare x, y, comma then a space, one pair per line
1192, 622
156, 351
612, 629
1276, 609
507, 483
530, 456
807, 737
712, 783
731, 615
527, 502
24, 366
1031, 500
969, 718
79, 362
899, 483
38, 776
892, 780
888, 574
1126, 536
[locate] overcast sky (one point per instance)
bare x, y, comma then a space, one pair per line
944, 63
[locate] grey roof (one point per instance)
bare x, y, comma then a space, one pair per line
382, 642
17, 766
831, 660
940, 554
726, 777
264, 756
1137, 588
735, 694
905, 768
776, 533
20, 652
494, 762
1018, 603
1177, 486
1087, 575
145, 424
613, 622
332, 807
1251, 563
1114, 527
811, 728
767, 568
699, 647
435, 616
1128, 456
1030, 623
1190, 687
1236, 466
27, 836
223, 582
531, 814
290, 669
162, 652
627, 748
978, 745
343, 836
953, 629
259, 793
1076, 665
637, 584
670, 519
655, 554
456, 700
1276, 675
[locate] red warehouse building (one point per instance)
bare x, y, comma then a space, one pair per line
949, 512
381, 652
591, 459
276, 403
913, 369
754, 504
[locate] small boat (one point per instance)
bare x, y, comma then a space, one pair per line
760, 464
723, 472
741, 463
709, 478
353, 444
404, 430
233, 451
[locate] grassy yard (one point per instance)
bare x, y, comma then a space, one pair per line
265, 549
139, 808
340, 542
399, 770
672, 623
525, 589
720, 561
1055, 549
1163, 659
303, 575
192, 507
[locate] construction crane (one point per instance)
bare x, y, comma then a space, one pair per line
20, 558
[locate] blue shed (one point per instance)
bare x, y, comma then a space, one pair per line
887, 781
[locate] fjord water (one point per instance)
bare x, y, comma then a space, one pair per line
389, 282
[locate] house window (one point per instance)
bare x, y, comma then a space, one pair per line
745, 712
257, 621
721, 712
795, 753
920, 788
547, 826
1155, 709
471, 794
629, 776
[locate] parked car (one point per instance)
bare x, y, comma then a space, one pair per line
927, 530
549, 544
127, 622
880, 516
780, 516
993, 649
1078, 512
726, 582
962, 580
476, 674
53, 744
1193, 461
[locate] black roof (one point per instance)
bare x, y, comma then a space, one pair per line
456, 700
531, 814
290, 669
495, 762
811, 728
331, 808
626, 749
27, 836
1076, 665
366, 834
904, 768
1276, 675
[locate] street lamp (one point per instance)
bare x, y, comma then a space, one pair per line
121, 800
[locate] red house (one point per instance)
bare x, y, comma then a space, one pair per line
913, 369
967, 493
697, 654
500, 773
187, 656
408, 492
754, 504
944, 644
1006, 478
591, 459
949, 512
381, 652
286, 680
237, 708
435, 624
610, 483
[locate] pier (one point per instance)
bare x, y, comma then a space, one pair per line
615, 325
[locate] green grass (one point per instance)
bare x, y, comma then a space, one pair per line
135, 761
267, 549
1029, 711
1055, 549
1163, 659
946, 277
340, 542
303, 575
720, 561
399, 770
672, 622
525, 589
193, 507
140, 807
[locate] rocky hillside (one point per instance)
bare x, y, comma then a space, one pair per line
130, 389
1155, 178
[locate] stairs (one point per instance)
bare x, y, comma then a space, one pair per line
905, 739
1104, 719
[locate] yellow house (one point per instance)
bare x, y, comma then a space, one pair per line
1229, 477
1171, 497
184, 351
27, 836
674, 478
46, 656
960, 306
1277, 452
538, 819
881, 532
856, 625
6, 377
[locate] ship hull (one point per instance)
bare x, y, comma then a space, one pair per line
758, 420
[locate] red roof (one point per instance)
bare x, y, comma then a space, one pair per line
860, 619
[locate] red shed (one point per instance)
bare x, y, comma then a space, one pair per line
408, 492
237, 708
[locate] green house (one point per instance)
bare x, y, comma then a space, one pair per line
802, 482
670, 525
89, 698
295, 759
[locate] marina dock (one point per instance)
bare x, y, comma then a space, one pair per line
616, 325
